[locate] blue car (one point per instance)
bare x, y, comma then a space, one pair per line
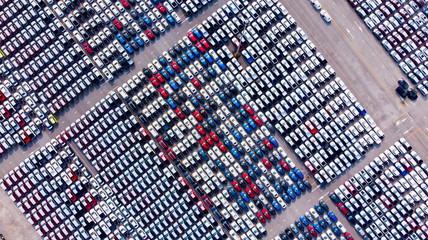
170, 71
162, 60
256, 170
208, 58
195, 51
249, 59
171, 103
173, 85
227, 143
211, 72
138, 41
237, 136
286, 198
235, 153
221, 65
335, 230
278, 188
322, 223
295, 190
243, 113
203, 61
298, 173
291, 194
183, 77
280, 170
304, 221
292, 176
203, 154
317, 227
276, 206
244, 196
252, 175
253, 157
211, 123
400, 168
128, 49
332, 216
233, 192
319, 209
301, 186
220, 165
180, 63
247, 128
170, 19
252, 123
197, 33
120, 38
165, 75
273, 141
242, 205
258, 152
147, 21
235, 102
185, 59
228, 175
222, 97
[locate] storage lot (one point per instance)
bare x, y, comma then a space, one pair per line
280, 143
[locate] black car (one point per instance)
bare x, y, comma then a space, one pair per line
403, 84
283, 236
147, 72
334, 198
141, 24
300, 225
412, 95
401, 92
323, 205
134, 46
289, 233
155, 31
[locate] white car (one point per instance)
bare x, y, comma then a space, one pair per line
317, 4
325, 15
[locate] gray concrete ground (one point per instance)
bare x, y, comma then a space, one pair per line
349, 47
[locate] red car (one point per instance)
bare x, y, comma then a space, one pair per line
350, 187
150, 35
261, 218
161, 9
257, 120
197, 116
23, 135
386, 201
353, 3
4, 112
266, 214
175, 67
88, 48
117, 24
309, 166
310, 127
214, 136
171, 154
406, 164
200, 47
192, 37
209, 141
246, 178
182, 181
412, 223
162, 143
348, 236
342, 208
312, 231
249, 110
249, 192
267, 163
205, 43
235, 184
162, 156
196, 83
154, 81
268, 144
70, 195
204, 145
179, 113
159, 78
2, 97
163, 92
200, 130
71, 174
222, 147
126, 4
191, 193
207, 201
254, 188
144, 132
19, 119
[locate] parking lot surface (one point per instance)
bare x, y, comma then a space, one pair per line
351, 50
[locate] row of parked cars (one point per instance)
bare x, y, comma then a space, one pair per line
43, 72
401, 26
318, 223
386, 199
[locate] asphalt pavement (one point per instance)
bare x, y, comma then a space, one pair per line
350, 48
